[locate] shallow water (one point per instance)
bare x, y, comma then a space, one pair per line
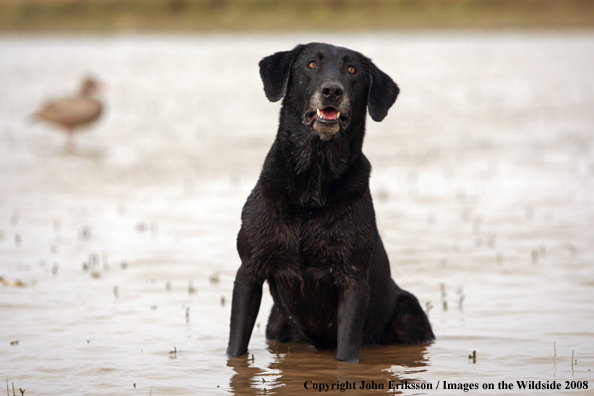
483, 184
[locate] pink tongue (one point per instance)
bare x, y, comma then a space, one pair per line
329, 114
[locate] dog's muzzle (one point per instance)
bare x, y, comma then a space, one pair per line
327, 115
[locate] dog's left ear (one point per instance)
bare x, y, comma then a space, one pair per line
382, 93
275, 71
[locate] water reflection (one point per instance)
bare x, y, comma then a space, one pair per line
299, 369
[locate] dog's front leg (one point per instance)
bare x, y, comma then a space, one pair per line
247, 294
352, 306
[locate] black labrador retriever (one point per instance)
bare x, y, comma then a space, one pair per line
308, 227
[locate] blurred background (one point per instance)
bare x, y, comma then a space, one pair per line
132, 132
284, 15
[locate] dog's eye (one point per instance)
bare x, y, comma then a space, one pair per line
352, 70
312, 65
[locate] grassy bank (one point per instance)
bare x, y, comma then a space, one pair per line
277, 15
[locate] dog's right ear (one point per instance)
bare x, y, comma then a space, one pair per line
275, 71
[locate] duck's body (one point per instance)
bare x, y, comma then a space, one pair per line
73, 113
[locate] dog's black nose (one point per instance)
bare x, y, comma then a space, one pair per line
332, 90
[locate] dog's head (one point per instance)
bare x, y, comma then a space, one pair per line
327, 86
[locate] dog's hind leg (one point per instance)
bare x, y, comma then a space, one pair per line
279, 329
409, 324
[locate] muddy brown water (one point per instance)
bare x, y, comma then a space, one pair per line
483, 182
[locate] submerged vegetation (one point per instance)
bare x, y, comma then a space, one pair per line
279, 15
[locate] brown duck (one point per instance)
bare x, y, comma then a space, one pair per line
73, 112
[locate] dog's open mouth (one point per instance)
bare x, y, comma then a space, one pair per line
328, 115
326, 122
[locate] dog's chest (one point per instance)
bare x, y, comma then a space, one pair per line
311, 248
309, 244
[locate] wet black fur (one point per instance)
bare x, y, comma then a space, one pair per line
308, 227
